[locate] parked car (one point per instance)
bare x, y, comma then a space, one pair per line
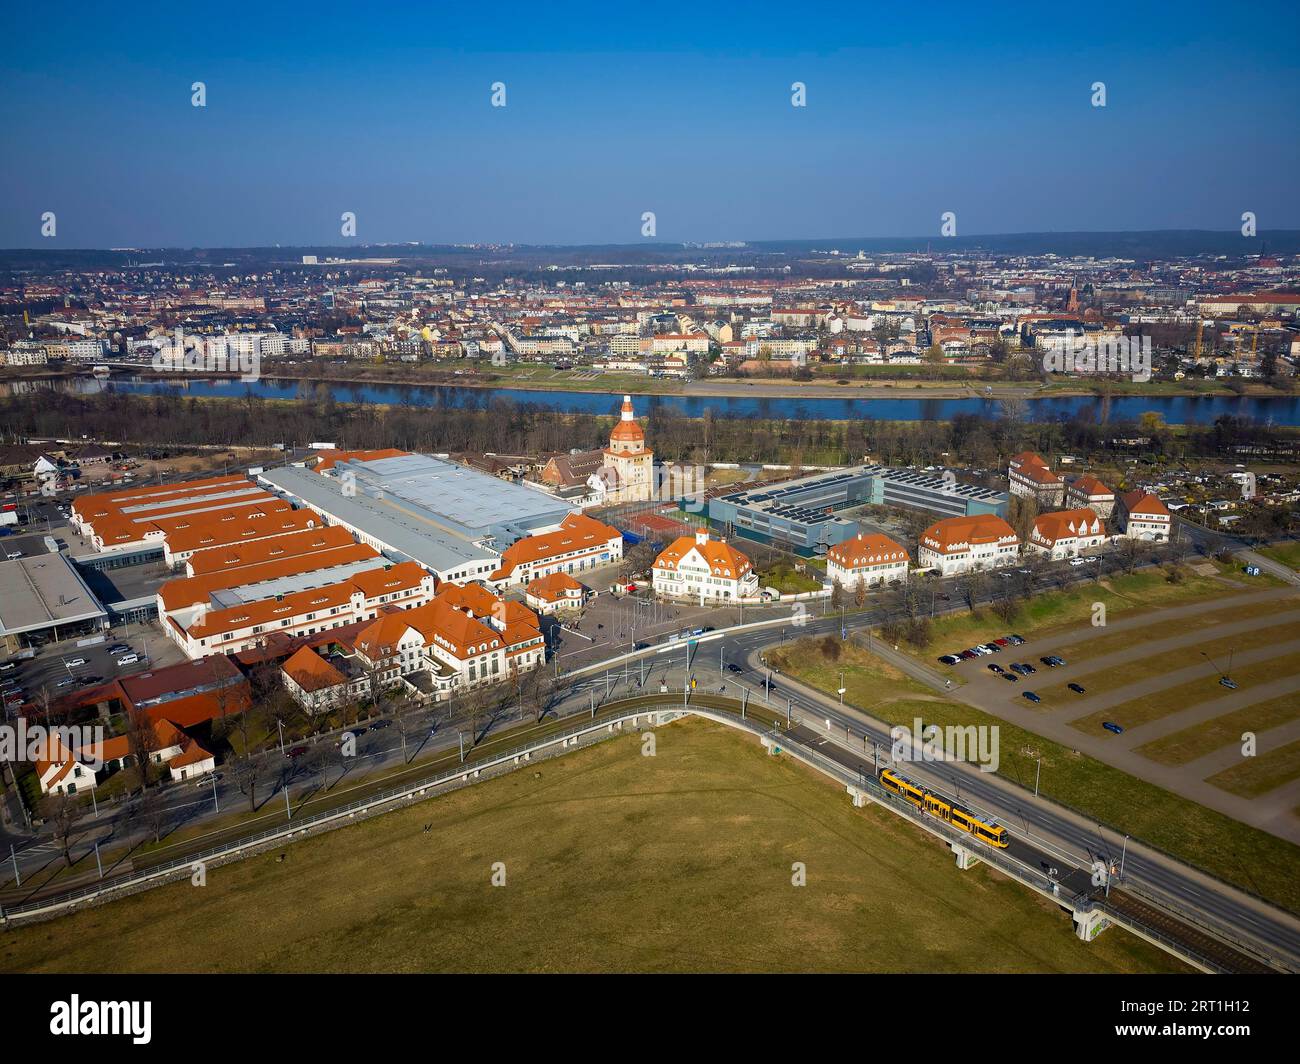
1111, 726
14, 554
1031, 696
1016, 639
993, 666
66, 683
1051, 661
7, 666
1231, 685
381, 724
966, 655
1077, 561
949, 659
1009, 676
295, 752
1076, 688
75, 663
119, 648
1002, 642
128, 659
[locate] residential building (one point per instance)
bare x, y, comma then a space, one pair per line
1066, 534
866, 561
963, 544
703, 569
1143, 516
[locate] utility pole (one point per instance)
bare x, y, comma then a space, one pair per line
215, 807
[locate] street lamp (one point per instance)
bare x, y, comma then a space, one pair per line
841, 690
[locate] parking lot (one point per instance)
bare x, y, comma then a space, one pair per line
61, 668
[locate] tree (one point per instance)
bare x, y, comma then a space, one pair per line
837, 594
248, 772
61, 812
972, 588
142, 741
860, 592
153, 813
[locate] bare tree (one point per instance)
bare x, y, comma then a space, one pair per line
248, 772
142, 740
61, 812
153, 813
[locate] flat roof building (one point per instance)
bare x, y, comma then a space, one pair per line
454, 521
45, 594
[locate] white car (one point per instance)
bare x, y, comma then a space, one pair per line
76, 663
128, 659
14, 554
1077, 561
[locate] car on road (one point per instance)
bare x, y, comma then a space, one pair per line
381, 724
950, 659
1030, 696
993, 666
295, 752
733, 667
1111, 726
75, 663
1224, 681
1076, 688
1009, 676
641, 646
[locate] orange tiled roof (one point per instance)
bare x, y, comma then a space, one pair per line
723, 559
872, 549
311, 672
1067, 524
944, 536
576, 532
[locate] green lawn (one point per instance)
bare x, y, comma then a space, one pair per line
1057, 609
787, 581
1255, 860
613, 862
1180, 747
1286, 553
1146, 708
1254, 776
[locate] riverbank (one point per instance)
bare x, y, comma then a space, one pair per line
546, 379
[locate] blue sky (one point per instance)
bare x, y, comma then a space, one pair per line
613, 110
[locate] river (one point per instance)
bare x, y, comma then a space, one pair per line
1177, 410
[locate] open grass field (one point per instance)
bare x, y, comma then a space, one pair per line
613, 862
1286, 553
1145, 709
1180, 747
1255, 860
1059, 609
1259, 775
1084, 649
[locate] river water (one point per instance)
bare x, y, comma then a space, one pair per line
1177, 410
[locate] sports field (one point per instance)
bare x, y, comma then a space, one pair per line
613, 862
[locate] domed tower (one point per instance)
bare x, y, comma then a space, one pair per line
629, 459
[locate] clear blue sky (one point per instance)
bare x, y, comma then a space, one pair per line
384, 110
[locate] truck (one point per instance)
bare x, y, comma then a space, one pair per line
8, 517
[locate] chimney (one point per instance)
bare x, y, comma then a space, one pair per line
701, 536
